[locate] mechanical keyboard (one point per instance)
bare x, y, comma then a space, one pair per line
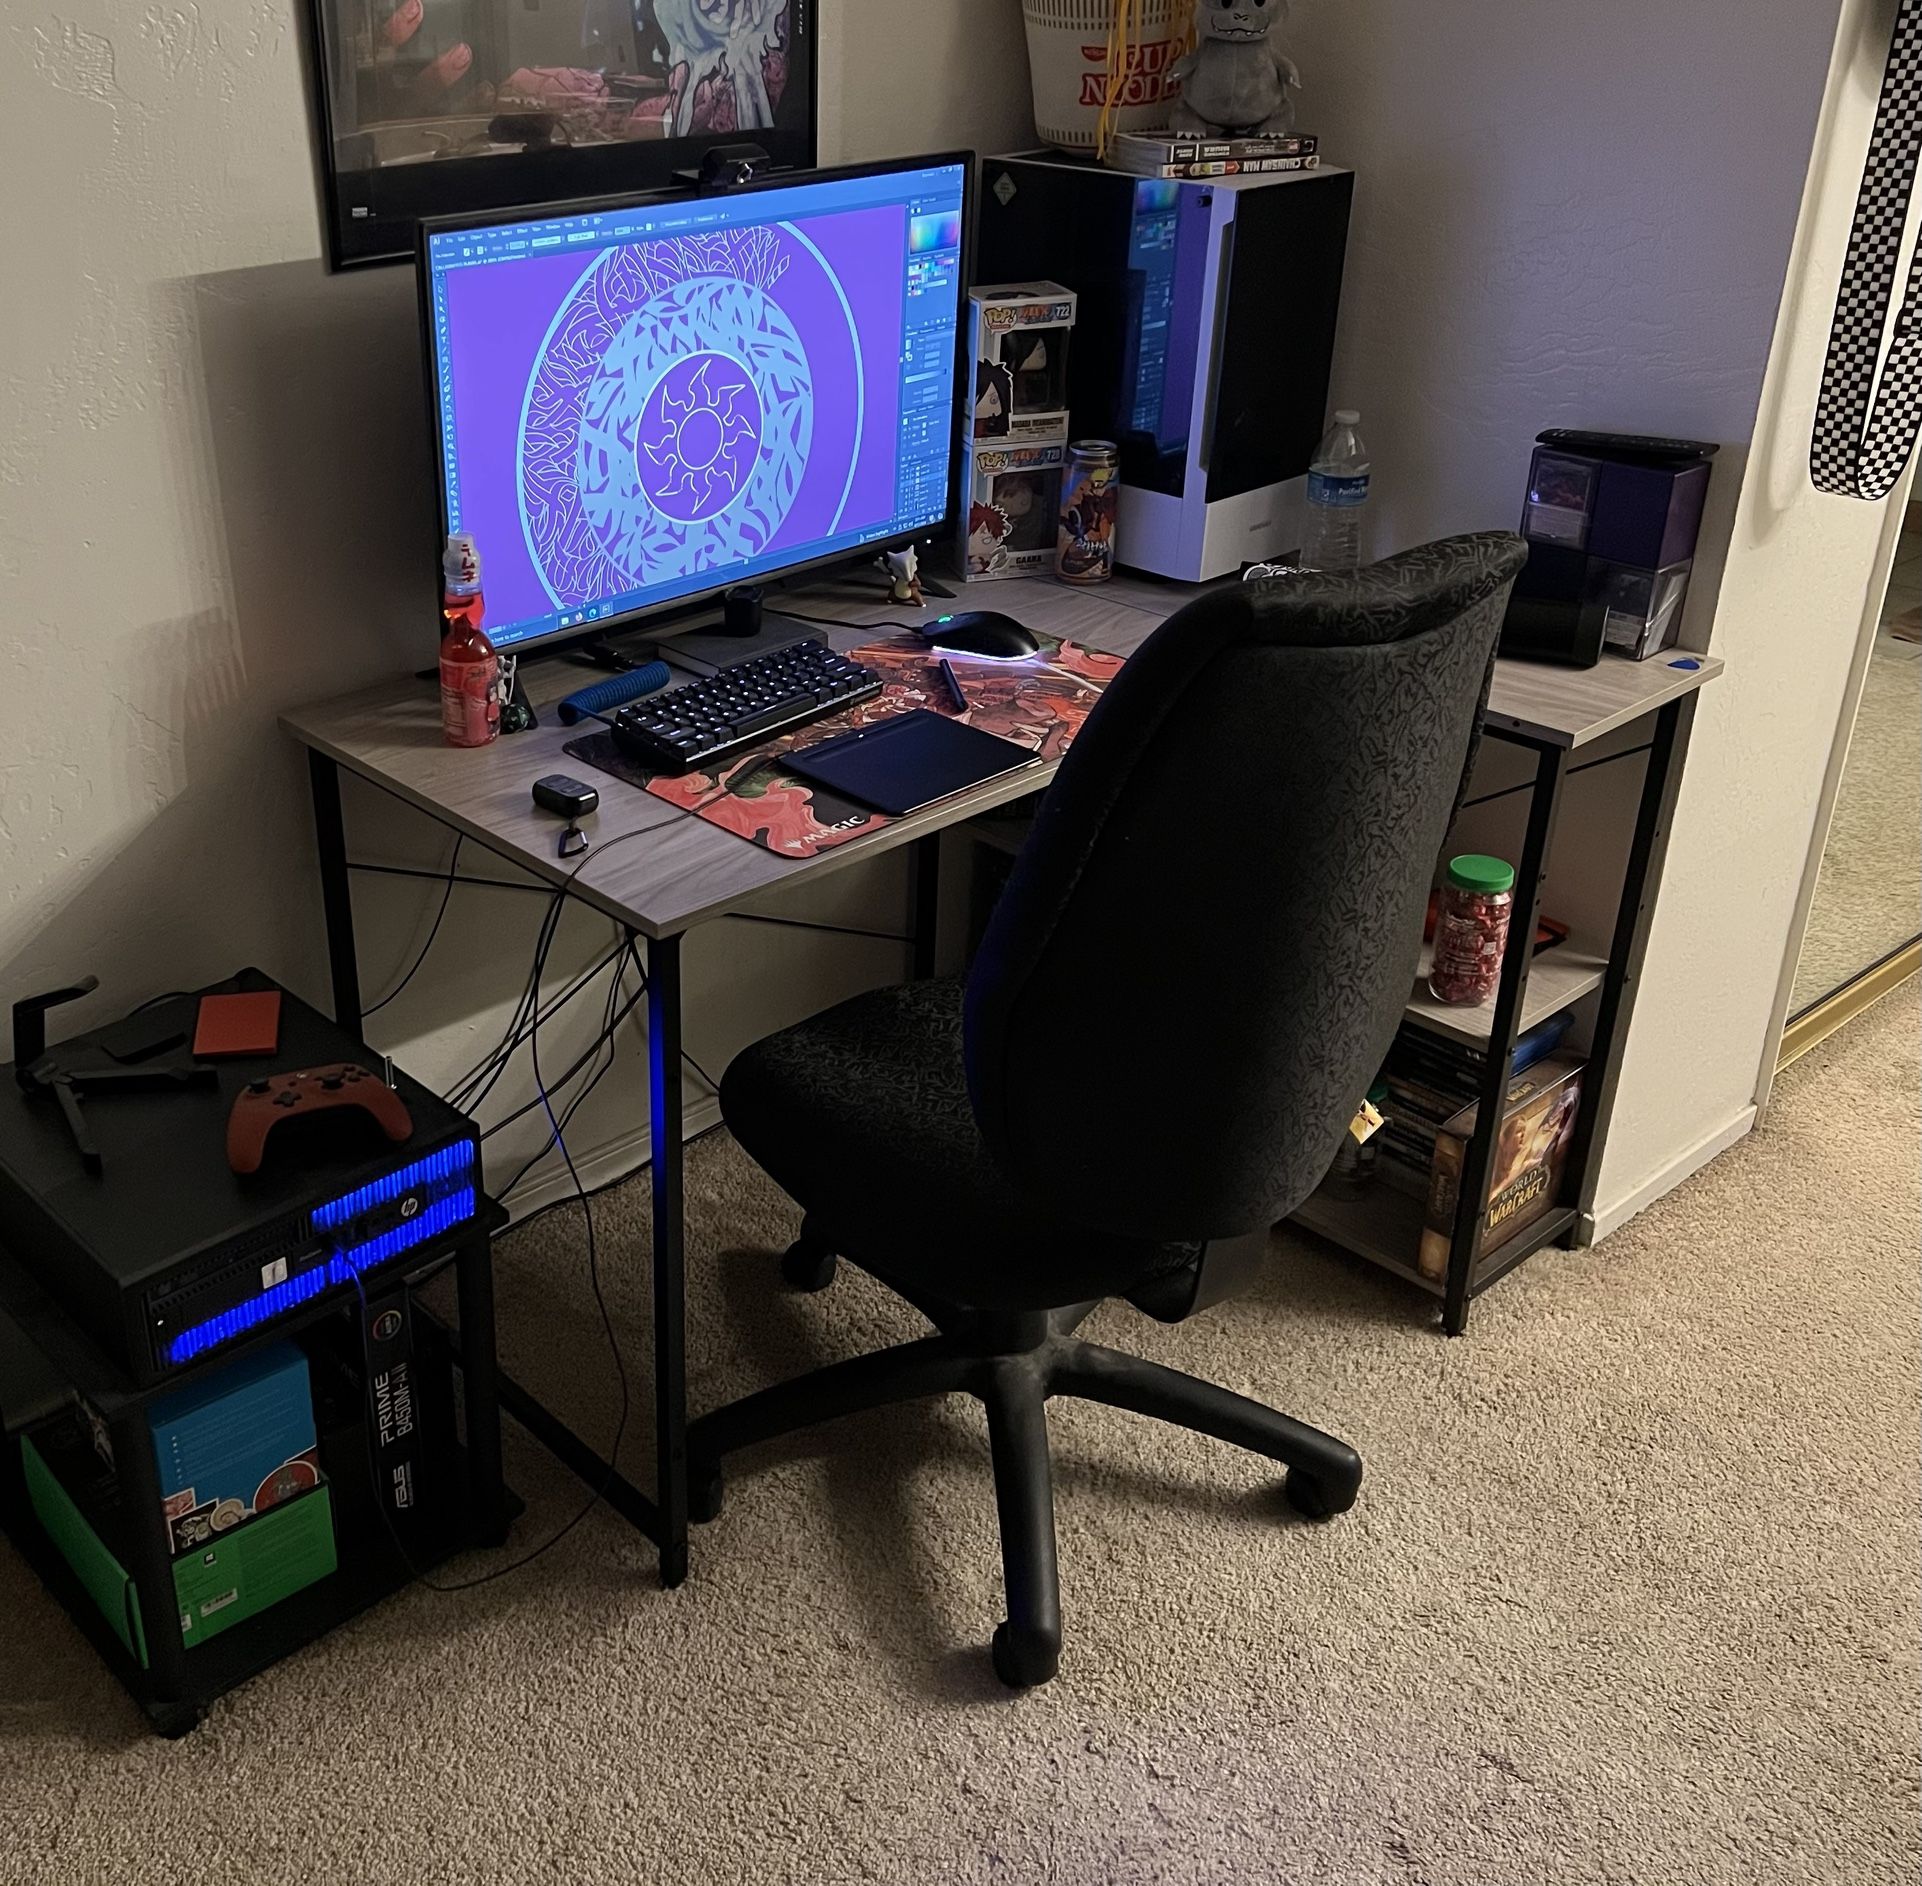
689, 726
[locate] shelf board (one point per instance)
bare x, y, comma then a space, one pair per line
1382, 1225
1494, 1265
1572, 707
1556, 978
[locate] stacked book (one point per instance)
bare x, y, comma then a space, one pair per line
1431, 1079
1159, 155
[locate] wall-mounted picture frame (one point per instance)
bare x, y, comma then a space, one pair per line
430, 108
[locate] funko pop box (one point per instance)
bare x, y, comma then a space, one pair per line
1019, 336
1010, 504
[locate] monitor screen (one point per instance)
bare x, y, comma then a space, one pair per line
642, 402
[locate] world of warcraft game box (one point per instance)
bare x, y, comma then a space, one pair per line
1531, 1154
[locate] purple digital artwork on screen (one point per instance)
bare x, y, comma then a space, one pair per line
658, 410
698, 437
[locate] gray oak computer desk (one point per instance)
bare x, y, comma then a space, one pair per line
661, 872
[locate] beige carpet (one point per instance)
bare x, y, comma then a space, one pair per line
1630, 1596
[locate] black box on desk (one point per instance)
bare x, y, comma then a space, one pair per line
1611, 526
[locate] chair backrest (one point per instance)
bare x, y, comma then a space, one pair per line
1208, 939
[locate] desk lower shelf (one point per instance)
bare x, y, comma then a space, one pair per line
1557, 978
1384, 1225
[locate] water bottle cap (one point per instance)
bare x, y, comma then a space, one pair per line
1347, 416
460, 562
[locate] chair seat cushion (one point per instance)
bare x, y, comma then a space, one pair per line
861, 1115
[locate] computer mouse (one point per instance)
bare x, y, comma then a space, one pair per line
984, 632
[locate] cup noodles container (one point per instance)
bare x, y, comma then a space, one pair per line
1068, 65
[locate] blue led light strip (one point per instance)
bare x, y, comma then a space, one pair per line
343, 1267
451, 1162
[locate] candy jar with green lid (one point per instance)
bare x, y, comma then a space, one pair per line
1471, 930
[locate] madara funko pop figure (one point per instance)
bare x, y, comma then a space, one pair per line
1033, 383
1236, 83
993, 399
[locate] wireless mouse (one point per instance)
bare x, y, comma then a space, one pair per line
984, 632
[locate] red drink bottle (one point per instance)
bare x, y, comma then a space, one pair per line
470, 709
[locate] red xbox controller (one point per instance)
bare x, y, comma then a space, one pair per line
260, 1106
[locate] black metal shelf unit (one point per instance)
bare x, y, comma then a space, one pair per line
1367, 1227
472, 1506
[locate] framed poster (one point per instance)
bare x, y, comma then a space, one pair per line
442, 107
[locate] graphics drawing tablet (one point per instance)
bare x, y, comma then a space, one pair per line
911, 760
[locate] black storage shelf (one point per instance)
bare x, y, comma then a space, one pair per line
1384, 1225
371, 1565
370, 1570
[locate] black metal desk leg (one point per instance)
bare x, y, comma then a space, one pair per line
336, 893
153, 1571
1661, 787
480, 1383
927, 903
1551, 767
670, 1308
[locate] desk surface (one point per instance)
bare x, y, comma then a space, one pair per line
662, 870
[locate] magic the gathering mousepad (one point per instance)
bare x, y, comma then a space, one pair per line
1040, 703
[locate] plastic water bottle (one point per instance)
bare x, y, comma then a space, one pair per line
1337, 497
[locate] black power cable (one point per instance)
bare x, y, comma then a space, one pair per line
530, 1004
447, 892
610, 1022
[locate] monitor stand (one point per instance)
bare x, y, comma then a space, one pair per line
598, 652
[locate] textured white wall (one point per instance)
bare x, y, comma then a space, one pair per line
928, 76
216, 500
1805, 578
1581, 215
182, 476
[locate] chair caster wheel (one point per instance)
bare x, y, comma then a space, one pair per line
1315, 1498
706, 1489
805, 1265
1024, 1659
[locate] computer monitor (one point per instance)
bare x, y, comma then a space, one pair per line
641, 402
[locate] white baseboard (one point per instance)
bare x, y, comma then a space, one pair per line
602, 1165
620, 1158
1593, 1227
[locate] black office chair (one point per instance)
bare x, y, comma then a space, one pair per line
1194, 972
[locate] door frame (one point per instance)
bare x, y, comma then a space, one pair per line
1775, 1054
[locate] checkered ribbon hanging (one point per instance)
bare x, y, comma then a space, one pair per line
1866, 423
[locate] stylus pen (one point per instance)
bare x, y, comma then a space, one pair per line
959, 699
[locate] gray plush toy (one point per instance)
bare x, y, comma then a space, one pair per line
1235, 83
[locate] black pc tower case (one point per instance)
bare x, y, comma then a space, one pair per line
1204, 341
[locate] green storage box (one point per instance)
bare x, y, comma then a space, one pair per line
234, 1577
